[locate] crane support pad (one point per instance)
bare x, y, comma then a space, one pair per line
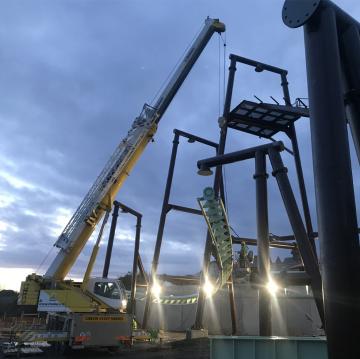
214, 213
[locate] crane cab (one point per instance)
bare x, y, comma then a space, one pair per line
112, 292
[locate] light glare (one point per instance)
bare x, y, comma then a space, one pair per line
272, 287
208, 288
156, 290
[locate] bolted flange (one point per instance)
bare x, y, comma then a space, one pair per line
296, 13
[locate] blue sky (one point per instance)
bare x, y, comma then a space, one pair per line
76, 73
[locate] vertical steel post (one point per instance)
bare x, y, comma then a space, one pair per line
351, 68
339, 241
111, 239
285, 88
262, 220
300, 175
217, 186
305, 248
232, 303
160, 232
142, 270
301, 182
135, 264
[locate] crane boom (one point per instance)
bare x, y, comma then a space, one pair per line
102, 193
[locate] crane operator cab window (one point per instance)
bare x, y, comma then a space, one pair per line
107, 290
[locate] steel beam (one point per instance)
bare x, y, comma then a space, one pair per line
262, 220
306, 250
218, 187
142, 271
290, 131
184, 209
300, 175
339, 241
136, 259
351, 68
237, 155
259, 66
272, 244
193, 138
166, 207
111, 239
301, 182
160, 232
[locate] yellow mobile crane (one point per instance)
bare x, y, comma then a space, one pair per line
78, 309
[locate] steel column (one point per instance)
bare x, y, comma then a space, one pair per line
142, 271
160, 232
301, 181
291, 133
262, 220
135, 264
351, 68
111, 239
217, 187
300, 175
285, 88
230, 285
339, 241
305, 247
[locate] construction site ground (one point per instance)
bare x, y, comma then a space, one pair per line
172, 346
179, 349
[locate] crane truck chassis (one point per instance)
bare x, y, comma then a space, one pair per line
93, 313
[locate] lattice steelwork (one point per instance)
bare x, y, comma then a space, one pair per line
108, 175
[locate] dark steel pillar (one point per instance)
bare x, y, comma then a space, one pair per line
160, 232
217, 187
135, 264
263, 248
339, 241
306, 250
351, 68
285, 88
301, 181
142, 270
111, 239
232, 305
300, 175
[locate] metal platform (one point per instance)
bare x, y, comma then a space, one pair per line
264, 119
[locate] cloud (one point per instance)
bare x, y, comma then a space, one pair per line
74, 76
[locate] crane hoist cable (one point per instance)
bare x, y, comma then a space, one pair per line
175, 66
45, 258
223, 40
221, 71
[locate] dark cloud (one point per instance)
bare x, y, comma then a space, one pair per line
74, 74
